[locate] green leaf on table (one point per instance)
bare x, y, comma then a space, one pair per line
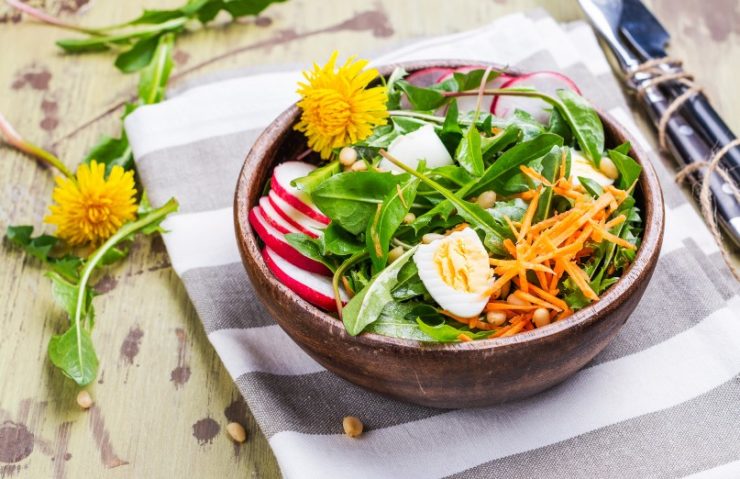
73, 352
153, 78
138, 56
584, 122
38, 247
241, 8
387, 219
111, 152
629, 169
469, 154
352, 198
367, 305
66, 294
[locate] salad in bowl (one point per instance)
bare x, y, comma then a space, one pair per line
452, 204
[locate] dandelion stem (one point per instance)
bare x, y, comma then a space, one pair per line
14, 139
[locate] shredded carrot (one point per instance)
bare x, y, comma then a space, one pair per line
615, 222
511, 226
550, 297
464, 338
503, 306
529, 215
515, 328
534, 299
532, 173
563, 161
510, 248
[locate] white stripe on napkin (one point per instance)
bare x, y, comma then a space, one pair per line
683, 367
267, 349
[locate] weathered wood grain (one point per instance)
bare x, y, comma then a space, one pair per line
164, 398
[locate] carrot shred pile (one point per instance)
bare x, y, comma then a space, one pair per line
550, 249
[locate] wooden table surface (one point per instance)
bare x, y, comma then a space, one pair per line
163, 397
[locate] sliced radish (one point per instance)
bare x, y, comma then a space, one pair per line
274, 219
294, 217
315, 289
276, 240
286, 172
428, 76
545, 82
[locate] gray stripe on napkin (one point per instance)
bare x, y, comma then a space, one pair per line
316, 403
201, 175
224, 298
673, 283
696, 435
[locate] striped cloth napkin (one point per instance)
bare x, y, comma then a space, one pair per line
663, 400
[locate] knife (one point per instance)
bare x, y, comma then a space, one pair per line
684, 140
649, 38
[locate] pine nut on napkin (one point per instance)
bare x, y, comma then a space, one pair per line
663, 400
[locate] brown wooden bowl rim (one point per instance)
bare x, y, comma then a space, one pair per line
653, 223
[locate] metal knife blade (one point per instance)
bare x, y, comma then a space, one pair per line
643, 30
605, 16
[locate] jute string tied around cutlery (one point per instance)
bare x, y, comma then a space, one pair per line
712, 166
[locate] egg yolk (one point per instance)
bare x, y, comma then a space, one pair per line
461, 265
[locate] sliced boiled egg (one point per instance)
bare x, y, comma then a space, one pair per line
582, 166
421, 144
456, 272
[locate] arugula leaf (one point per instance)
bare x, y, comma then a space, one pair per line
451, 132
337, 241
409, 283
309, 182
352, 198
559, 126
494, 144
594, 189
309, 248
629, 169
517, 155
584, 122
367, 305
469, 154
394, 96
445, 333
422, 98
393, 322
550, 167
388, 217
529, 127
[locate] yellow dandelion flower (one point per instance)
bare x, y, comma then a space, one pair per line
338, 108
90, 208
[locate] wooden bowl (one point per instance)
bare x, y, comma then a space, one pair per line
470, 374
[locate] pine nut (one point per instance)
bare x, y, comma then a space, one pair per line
237, 432
409, 218
608, 167
359, 166
347, 156
429, 237
352, 426
487, 199
541, 317
395, 253
84, 400
497, 318
516, 300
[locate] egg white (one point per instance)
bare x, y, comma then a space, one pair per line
421, 144
582, 166
458, 302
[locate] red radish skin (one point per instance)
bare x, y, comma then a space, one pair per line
547, 82
274, 219
286, 172
294, 217
275, 240
315, 289
428, 76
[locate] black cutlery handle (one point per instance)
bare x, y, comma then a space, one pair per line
689, 147
704, 118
